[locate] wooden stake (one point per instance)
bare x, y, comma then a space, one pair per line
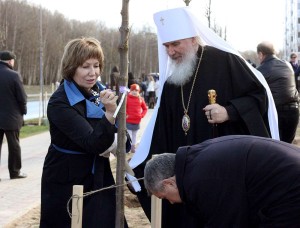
155, 212
77, 204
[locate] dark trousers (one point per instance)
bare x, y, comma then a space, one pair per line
14, 151
288, 122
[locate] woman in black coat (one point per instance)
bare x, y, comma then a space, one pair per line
82, 127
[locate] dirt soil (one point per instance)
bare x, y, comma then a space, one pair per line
133, 212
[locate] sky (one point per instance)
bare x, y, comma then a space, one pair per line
248, 22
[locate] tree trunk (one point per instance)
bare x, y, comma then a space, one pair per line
123, 50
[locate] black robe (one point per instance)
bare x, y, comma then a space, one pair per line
238, 90
240, 181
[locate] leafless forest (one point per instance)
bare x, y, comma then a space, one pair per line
32, 32
27, 29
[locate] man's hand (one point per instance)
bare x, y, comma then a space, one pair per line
216, 113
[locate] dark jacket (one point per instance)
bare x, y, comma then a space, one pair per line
240, 181
280, 78
79, 133
13, 98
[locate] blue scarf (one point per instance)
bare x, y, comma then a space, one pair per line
93, 105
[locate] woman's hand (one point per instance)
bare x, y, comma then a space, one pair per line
109, 100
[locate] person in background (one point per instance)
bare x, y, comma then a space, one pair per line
151, 91
280, 77
114, 75
131, 79
136, 109
231, 181
144, 86
157, 89
13, 106
192, 61
82, 129
294, 61
295, 66
251, 63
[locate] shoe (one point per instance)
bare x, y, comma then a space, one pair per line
21, 175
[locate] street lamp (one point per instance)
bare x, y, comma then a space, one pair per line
187, 2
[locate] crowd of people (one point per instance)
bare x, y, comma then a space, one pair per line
148, 84
248, 175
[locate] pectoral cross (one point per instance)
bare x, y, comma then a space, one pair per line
162, 21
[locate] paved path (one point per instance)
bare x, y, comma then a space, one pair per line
19, 196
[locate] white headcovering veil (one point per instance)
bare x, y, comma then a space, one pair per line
182, 23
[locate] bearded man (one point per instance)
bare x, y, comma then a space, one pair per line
184, 116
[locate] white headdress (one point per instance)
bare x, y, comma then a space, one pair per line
181, 23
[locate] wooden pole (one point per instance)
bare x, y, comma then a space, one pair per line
155, 212
77, 205
41, 62
40, 108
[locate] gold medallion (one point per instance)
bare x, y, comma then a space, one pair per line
186, 123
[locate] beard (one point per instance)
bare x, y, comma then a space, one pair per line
182, 72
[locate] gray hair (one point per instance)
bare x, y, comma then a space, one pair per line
158, 168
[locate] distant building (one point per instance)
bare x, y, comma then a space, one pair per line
292, 28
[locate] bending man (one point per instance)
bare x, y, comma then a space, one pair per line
231, 181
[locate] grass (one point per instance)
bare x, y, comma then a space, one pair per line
35, 89
31, 128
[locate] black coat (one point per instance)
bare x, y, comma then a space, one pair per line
280, 78
73, 159
13, 98
240, 181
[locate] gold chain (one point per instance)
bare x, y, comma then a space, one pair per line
188, 105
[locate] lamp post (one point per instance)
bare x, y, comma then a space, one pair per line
187, 2
41, 63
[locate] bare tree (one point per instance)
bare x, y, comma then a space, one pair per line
123, 50
208, 13
215, 27
187, 2
19, 31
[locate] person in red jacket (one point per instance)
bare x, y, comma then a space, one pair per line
136, 109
